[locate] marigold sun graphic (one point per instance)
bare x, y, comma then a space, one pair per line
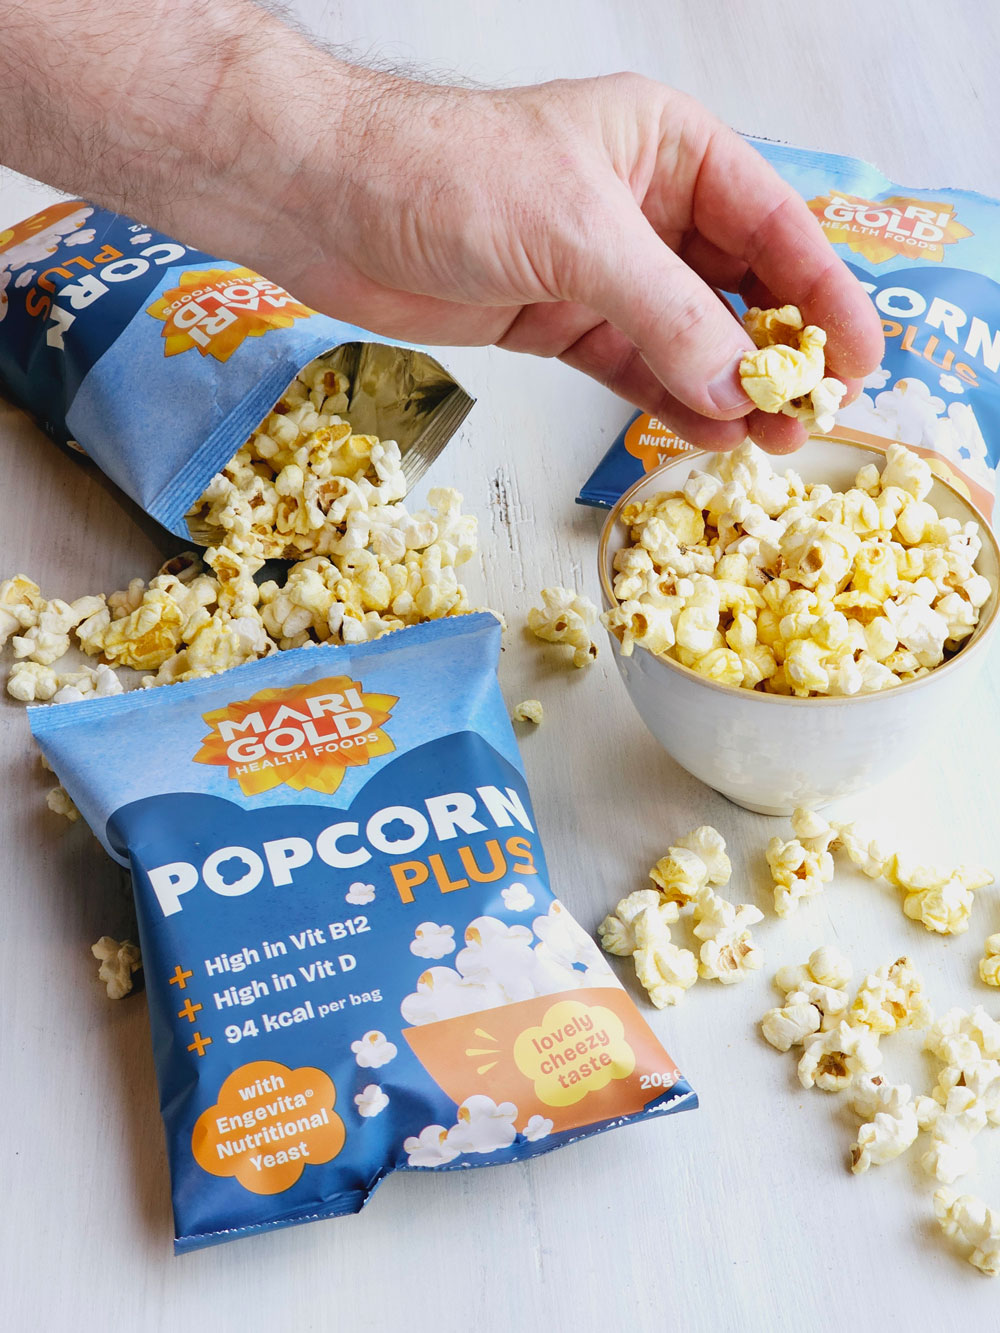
887, 228
305, 737
216, 309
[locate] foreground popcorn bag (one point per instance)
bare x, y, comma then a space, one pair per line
158, 360
930, 259
353, 960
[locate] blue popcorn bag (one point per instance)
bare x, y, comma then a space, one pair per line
930, 260
353, 959
158, 360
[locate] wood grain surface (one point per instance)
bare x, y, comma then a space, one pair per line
739, 1216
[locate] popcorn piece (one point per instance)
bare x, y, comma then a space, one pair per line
891, 1122
728, 953
940, 899
785, 367
371, 1101
664, 969
680, 874
565, 617
373, 1050
797, 872
528, 710
616, 930
709, 844
953, 1126
118, 962
60, 802
968, 1219
989, 964
891, 999
790, 1024
830, 1060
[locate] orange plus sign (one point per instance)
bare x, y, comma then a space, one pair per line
189, 1010
199, 1043
180, 978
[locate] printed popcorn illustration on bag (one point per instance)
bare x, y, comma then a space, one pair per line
930, 260
353, 959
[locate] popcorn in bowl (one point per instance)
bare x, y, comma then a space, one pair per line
767, 582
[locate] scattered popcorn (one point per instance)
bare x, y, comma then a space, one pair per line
565, 617
662, 967
762, 581
785, 373
728, 953
616, 930
890, 999
968, 1219
517, 898
359, 894
989, 964
304, 488
370, 1101
830, 1060
891, 1122
952, 1127
528, 710
432, 941
707, 843
790, 1024
373, 1050
816, 999
118, 962
60, 802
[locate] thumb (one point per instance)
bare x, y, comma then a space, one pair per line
686, 335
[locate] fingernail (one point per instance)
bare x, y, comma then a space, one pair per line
726, 393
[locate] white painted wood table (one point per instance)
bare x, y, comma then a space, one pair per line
739, 1216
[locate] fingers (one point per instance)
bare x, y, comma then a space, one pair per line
686, 336
611, 359
744, 208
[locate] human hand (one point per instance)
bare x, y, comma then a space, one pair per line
589, 220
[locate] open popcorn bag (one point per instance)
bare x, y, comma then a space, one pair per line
163, 364
930, 260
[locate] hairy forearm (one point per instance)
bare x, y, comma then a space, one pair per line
192, 115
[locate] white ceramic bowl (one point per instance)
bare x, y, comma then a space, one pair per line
771, 753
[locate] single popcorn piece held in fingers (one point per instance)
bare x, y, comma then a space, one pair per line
966, 1218
786, 372
891, 1121
989, 964
566, 617
528, 710
118, 962
831, 1060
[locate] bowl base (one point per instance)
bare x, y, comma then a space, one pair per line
775, 810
